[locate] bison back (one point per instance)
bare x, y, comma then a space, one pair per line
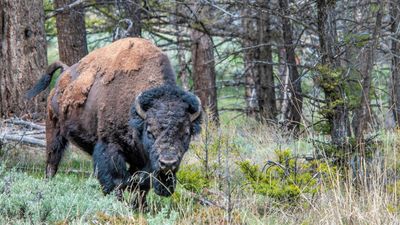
95, 95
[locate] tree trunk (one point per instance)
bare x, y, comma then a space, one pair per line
395, 29
248, 24
283, 99
260, 87
203, 64
71, 32
327, 32
22, 55
265, 85
337, 115
362, 115
351, 54
292, 114
182, 74
204, 72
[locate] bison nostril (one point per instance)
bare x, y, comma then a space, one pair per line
168, 164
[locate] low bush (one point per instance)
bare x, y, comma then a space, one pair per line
192, 178
287, 177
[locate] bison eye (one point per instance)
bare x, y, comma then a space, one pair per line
187, 131
150, 135
186, 134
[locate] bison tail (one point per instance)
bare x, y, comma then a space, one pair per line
45, 80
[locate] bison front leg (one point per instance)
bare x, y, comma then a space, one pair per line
113, 175
110, 167
139, 186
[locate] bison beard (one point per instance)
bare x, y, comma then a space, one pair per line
121, 104
164, 184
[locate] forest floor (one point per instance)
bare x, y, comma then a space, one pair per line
242, 173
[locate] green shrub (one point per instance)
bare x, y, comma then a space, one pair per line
286, 178
192, 178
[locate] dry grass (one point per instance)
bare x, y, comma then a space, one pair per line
337, 201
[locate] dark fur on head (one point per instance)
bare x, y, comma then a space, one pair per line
165, 131
148, 97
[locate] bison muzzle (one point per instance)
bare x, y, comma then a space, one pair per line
121, 104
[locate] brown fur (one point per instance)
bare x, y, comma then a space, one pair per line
92, 99
118, 59
121, 104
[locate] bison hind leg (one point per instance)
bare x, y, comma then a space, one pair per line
56, 144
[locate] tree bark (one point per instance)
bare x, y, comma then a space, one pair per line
265, 85
204, 76
182, 74
292, 114
362, 115
248, 24
71, 32
204, 72
337, 115
22, 55
258, 61
395, 30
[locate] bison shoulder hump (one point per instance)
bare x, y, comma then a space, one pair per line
121, 57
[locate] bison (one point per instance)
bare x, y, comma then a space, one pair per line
121, 104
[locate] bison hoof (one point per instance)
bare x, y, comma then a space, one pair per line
139, 201
164, 190
50, 171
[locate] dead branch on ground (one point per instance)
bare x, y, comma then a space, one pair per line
23, 132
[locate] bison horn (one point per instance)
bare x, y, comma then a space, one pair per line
139, 109
197, 113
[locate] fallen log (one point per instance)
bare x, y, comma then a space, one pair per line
22, 132
25, 123
23, 140
28, 133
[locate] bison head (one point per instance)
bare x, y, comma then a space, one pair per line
165, 119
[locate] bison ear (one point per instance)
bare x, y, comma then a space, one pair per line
196, 125
195, 111
137, 115
136, 122
194, 104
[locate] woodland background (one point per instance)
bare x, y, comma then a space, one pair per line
302, 97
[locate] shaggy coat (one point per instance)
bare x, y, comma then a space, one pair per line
121, 104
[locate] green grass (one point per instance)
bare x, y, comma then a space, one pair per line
28, 199
75, 197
